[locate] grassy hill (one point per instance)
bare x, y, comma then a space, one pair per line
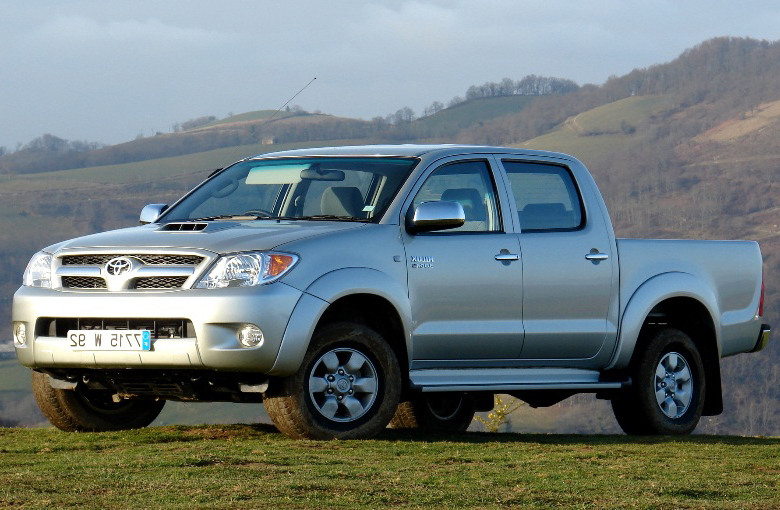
597, 131
261, 115
450, 121
150, 170
14, 380
254, 467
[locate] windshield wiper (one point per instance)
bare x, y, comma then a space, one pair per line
331, 217
234, 217
316, 217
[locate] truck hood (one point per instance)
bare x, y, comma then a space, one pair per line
216, 236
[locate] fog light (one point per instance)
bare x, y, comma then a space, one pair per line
250, 336
20, 333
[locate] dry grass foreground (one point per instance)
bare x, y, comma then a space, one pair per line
245, 466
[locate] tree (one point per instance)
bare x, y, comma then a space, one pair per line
454, 101
435, 107
403, 116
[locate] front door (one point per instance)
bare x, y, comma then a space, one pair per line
465, 284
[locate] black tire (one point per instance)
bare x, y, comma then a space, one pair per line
348, 387
667, 394
449, 412
82, 410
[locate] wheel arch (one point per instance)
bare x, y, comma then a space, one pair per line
362, 295
659, 302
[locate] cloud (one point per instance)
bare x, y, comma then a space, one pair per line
83, 31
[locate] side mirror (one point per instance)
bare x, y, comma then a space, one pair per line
430, 216
151, 212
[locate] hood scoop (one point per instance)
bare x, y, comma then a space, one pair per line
189, 226
197, 226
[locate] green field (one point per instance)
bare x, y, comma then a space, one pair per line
249, 116
470, 112
147, 171
244, 466
14, 380
598, 131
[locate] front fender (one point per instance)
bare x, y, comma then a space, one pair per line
653, 291
326, 290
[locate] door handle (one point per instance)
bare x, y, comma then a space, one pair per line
503, 257
596, 256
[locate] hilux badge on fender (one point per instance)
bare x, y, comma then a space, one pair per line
422, 262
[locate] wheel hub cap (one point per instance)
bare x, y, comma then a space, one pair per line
673, 385
343, 385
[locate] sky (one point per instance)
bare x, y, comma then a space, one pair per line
109, 71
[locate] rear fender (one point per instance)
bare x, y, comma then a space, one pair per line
653, 291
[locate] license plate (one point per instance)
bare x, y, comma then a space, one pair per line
110, 340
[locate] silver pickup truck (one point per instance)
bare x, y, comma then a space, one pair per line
355, 287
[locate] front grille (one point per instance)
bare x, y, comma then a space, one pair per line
83, 282
147, 258
162, 282
159, 328
149, 271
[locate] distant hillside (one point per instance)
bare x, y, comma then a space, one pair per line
247, 129
451, 121
264, 127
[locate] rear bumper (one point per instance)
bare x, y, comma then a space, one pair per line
763, 337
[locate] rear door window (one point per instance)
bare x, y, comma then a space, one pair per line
546, 196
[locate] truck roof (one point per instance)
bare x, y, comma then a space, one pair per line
407, 150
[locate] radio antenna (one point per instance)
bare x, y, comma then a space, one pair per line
288, 101
269, 119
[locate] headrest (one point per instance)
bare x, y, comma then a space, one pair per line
342, 201
471, 201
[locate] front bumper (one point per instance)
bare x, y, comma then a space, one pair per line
763, 338
216, 316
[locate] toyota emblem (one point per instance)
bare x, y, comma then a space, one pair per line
118, 266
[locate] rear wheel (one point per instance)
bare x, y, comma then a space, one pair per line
83, 410
667, 395
451, 412
348, 387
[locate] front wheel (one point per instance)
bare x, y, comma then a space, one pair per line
348, 387
449, 412
667, 395
83, 410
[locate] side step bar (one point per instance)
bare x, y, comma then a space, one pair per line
511, 379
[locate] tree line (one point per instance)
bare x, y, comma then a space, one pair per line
530, 85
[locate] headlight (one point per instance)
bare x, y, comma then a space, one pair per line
38, 272
247, 270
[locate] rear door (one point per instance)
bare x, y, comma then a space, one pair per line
465, 284
568, 264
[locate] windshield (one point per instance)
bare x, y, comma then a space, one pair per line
350, 189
